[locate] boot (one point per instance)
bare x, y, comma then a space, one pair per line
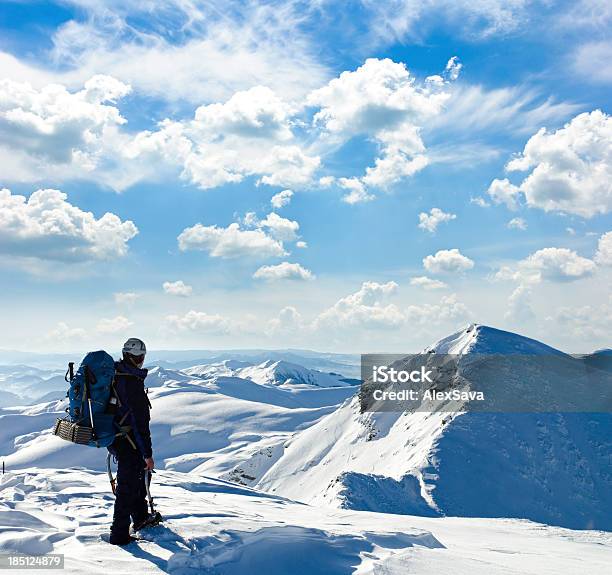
121, 539
150, 520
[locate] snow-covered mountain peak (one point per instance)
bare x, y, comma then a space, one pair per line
478, 338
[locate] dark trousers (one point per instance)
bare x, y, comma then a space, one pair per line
131, 493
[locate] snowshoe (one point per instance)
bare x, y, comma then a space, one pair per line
149, 521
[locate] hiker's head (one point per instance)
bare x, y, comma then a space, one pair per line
134, 351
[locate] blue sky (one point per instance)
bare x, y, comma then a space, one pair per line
446, 164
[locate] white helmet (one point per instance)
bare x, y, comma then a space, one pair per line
134, 346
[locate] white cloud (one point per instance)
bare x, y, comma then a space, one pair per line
177, 288
591, 61
63, 333
230, 242
288, 322
364, 308
301, 244
473, 111
552, 264
393, 166
182, 51
282, 271
558, 264
431, 221
126, 298
587, 321
480, 202
570, 169
453, 68
409, 22
504, 192
248, 135
46, 226
280, 228
447, 261
265, 240
604, 250
519, 305
198, 321
113, 325
517, 224
448, 308
379, 100
58, 126
357, 191
427, 283
281, 199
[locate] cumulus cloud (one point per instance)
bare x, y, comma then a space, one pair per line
552, 264
519, 305
430, 221
199, 321
248, 135
357, 192
517, 224
570, 169
447, 261
504, 192
126, 298
281, 199
448, 308
382, 101
46, 226
284, 271
230, 242
251, 236
558, 264
177, 288
113, 325
604, 250
364, 308
282, 229
427, 283
57, 125
288, 322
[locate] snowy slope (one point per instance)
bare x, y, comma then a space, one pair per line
220, 528
209, 425
553, 468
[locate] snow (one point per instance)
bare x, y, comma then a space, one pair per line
271, 372
212, 526
552, 468
208, 423
269, 466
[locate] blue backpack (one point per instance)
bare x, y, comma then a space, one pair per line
93, 402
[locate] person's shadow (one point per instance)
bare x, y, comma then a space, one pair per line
162, 536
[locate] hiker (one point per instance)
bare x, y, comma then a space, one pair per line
133, 450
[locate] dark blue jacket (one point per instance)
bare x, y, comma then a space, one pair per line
134, 408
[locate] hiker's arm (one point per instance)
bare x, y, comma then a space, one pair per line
139, 418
